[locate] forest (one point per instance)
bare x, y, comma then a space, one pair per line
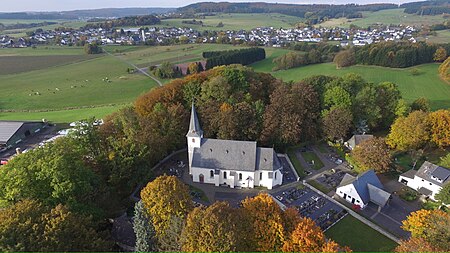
430, 7
244, 56
125, 21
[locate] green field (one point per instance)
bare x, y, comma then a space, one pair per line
62, 84
385, 17
426, 84
359, 237
21, 32
237, 21
62, 116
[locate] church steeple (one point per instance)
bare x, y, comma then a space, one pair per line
194, 125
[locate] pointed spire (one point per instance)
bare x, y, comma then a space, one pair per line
194, 125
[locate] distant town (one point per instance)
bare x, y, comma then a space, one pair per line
260, 36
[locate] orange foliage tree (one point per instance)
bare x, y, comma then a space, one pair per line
440, 127
167, 200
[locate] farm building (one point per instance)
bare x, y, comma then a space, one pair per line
362, 189
428, 180
230, 163
14, 132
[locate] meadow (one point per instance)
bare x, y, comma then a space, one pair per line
426, 84
22, 32
237, 21
63, 84
385, 17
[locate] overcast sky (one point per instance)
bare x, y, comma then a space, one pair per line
59, 5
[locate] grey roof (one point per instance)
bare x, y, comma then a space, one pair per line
234, 155
357, 139
377, 195
409, 174
428, 170
425, 191
360, 183
225, 154
194, 125
8, 129
441, 173
266, 159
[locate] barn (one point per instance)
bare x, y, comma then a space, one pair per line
14, 132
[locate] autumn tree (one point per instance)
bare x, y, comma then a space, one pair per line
193, 68
143, 229
308, 237
217, 228
270, 226
431, 226
292, 115
167, 202
28, 225
440, 55
410, 133
344, 58
337, 123
440, 127
444, 70
416, 245
372, 154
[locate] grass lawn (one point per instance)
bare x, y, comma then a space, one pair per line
63, 116
297, 165
237, 21
310, 157
73, 85
319, 186
200, 192
386, 17
359, 237
427, 84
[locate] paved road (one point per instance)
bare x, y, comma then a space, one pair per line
142, 70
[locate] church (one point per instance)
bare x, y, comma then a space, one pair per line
239, 164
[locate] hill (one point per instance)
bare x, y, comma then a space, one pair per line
315, 13
85, 14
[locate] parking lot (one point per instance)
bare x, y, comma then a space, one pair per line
312, 205
331, 179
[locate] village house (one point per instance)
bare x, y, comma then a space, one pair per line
362, 189
230, 163
356, 140
428, 180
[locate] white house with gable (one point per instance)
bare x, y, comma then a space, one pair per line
428, 180
230, 163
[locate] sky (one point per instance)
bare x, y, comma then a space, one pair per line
63, 5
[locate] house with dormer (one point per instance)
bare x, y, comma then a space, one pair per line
428, 180
230, 163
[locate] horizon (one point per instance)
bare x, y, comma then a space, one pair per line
71, 5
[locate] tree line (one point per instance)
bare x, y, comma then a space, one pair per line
312, 53
430, 7
244, 56
167, 221
125, 21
